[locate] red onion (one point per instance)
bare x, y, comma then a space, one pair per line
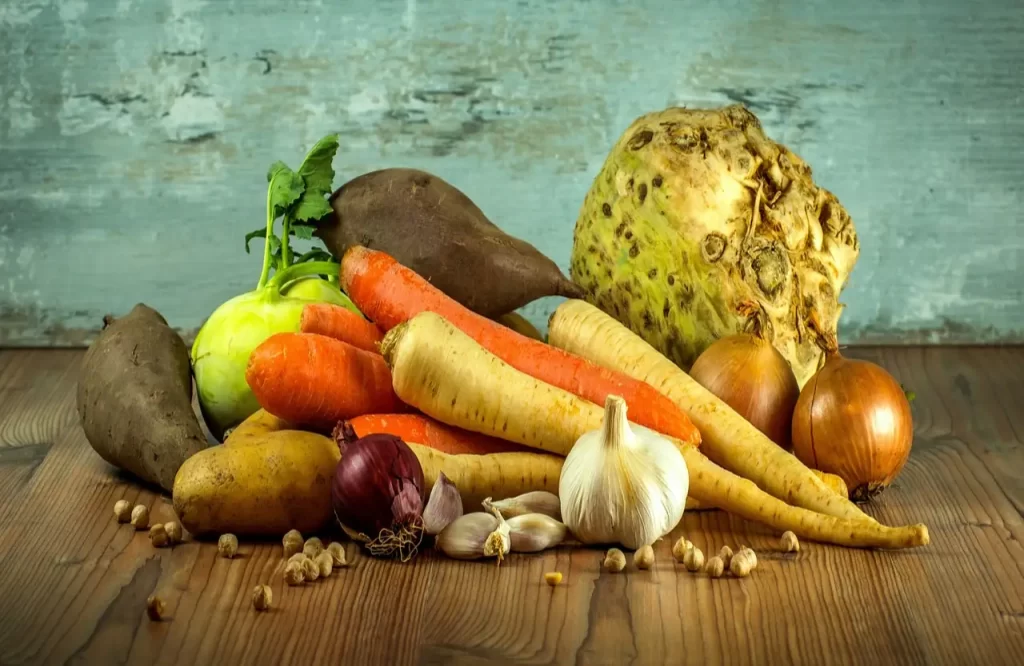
377, 493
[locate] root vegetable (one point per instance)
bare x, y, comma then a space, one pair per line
316, 381
435, 229
747, 373
340, 323
728, 439
520, 325
429, 432
391, 294
444, 373
699, 223
854, 420
266, 487
259, 423
134, 397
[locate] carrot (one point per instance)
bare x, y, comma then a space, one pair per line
428, 432
496, 475
728, 439
444, 373
342, 324
316, 381
389, 294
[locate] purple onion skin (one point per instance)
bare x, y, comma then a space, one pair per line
378, 484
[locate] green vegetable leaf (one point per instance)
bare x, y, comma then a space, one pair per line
318, 179
316, 170
253, 235
316, 254
302, 231
286, 187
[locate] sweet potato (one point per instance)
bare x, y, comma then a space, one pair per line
264, 485
433, 228
134, 397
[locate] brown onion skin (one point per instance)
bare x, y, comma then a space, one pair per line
747, 373
853, 420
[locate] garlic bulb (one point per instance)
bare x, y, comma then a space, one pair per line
622, 484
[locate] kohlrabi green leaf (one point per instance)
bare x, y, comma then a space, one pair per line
316, 170
303, 231
286, 187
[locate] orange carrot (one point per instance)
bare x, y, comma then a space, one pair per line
342, 324
316, 381
390, 294
421, 429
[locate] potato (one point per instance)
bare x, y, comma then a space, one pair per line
432, 227
264, 486
259, 423
134, 397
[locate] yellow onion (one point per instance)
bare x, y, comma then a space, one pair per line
853, 420
747, 373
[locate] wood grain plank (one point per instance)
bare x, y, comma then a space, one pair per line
75, 582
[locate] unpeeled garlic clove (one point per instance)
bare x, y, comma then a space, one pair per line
443, 506
534, 532
464, 537
498, 542
538, 501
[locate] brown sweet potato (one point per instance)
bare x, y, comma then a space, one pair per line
135, 397
433, 228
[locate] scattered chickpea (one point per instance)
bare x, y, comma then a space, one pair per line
726, 555
310, 569
140, 517
644, 557
155, 608
298, 557
715, 567
694, 560
553, 578
313, 547
337, 552
173, 530
680, 547
227, 545
740, 565
749, 552
292, 542
790, 543
325, 563
615, 560
123, 511
262, 597
294, 573
158, 536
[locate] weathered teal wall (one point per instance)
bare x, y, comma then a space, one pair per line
135, 135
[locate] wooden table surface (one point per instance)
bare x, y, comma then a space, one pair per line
73, 583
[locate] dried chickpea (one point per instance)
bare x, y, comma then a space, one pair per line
325, 563
789, 542
337, 552
310, 569
298, 557
615, 560
740, 565
694, 560
158, 536
227, 545
123, 511
726, 555
155, 608
262, 596
680, 547
294, 573
140, 517
715, 567
313, 547
173, 530
292, 542
643, 558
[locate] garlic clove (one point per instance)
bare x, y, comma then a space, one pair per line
537, 501
534, 532
498, 542
443, 506
464, 537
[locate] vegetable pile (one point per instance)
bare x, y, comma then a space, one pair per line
382, 389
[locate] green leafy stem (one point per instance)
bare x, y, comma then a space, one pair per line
299, 198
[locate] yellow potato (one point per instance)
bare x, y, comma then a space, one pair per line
276, 482
260, 423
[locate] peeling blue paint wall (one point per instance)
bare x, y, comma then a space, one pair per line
135, 135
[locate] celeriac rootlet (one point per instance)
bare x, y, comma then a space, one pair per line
443, 372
